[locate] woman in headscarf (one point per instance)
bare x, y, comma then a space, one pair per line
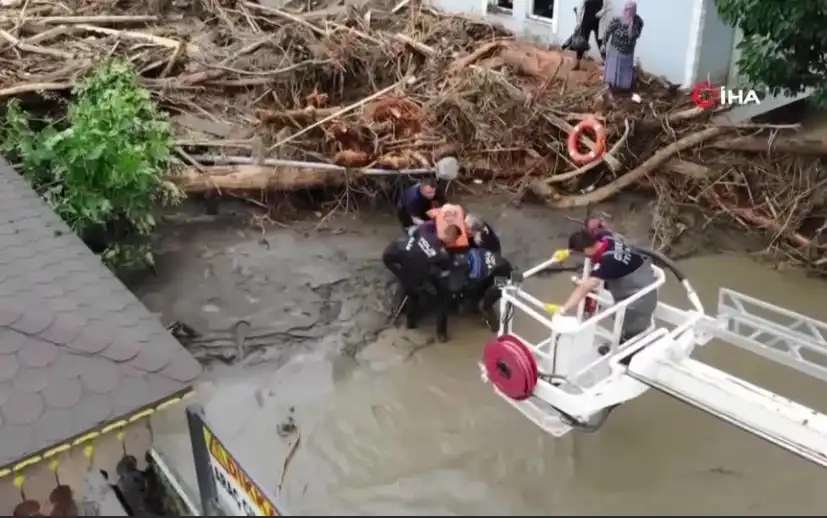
621, 38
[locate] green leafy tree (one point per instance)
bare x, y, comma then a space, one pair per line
102, 169
784, 46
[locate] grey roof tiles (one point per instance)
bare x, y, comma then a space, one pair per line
77, 349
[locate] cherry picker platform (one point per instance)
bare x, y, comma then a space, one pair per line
582, 372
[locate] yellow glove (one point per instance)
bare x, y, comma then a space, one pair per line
552, 308
560, 256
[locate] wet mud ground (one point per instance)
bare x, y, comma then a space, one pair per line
389, 422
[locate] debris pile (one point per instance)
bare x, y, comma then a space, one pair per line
278, 98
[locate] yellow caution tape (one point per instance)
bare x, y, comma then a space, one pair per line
26, 463
114, 426
57, 450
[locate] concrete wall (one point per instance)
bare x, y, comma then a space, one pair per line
716, 44
663, 46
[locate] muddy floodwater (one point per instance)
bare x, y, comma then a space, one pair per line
392, 423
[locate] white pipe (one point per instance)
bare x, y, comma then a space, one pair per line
528, 309
539, 268
274, 162
661, 280
539, 304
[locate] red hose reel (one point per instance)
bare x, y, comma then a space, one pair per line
511, 367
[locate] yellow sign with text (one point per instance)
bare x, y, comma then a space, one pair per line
236, 490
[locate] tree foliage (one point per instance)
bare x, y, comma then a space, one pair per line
101, 169
784, 46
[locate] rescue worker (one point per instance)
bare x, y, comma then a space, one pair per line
483, 267
419, 262
448, 216
597, 227
481, 233
415, 203
624, 271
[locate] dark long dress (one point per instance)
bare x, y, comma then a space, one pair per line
619, 68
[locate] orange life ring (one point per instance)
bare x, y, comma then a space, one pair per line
593, 126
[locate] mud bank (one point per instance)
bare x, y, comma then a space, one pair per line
389, 422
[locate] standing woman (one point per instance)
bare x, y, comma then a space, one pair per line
621, 38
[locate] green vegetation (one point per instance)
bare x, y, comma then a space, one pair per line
102, 168
784, 47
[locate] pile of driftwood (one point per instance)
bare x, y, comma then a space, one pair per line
300, 96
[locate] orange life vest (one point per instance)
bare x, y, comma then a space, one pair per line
446, 216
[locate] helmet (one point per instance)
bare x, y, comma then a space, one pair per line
474, 222
596, 226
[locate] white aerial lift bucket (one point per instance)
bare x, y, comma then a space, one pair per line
573, 379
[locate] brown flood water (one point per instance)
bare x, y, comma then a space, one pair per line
406, 427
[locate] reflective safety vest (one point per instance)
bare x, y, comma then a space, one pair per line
446, 216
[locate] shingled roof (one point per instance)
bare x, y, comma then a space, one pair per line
77, 349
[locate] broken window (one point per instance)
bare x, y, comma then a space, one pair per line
500, 6
543, 8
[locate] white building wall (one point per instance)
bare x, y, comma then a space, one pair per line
670, 36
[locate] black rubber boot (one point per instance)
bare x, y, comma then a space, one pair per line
489, 316
442, 329
411, 313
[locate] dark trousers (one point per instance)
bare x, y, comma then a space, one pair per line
420, 288
404, 218
587, 27
485, 294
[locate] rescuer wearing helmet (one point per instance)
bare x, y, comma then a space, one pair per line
624, 271
419, 262
481, 233
415, 203
597, 227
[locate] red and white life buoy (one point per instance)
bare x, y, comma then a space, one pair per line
598, 130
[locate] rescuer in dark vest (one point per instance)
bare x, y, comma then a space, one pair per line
481, 268
482, 234
419, 262
416, 201
624, 272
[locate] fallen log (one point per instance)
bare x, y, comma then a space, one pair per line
105, 19
34, 49
757, 220
628, 179
481, 52
792, 145
258, 178
689, 169
301, 116
143, 36
34, 87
